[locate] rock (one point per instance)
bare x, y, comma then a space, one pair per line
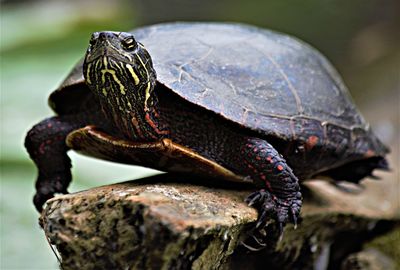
382, 252
163, 222
146, 226
369, 259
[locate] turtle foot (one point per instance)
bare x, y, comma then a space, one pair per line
281, 210
39, 200
48, 187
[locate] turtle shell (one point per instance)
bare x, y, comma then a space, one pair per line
265, 81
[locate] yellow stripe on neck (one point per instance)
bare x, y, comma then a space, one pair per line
134, 75
113, 74
147, 91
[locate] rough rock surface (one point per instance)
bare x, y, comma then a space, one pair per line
164, 223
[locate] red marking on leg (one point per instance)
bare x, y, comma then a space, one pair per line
249, 165
369, 153
280, 167
268, 186
311, 142
42, 148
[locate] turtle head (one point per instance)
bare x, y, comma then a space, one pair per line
119, 70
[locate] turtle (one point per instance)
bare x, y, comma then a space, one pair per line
221, 100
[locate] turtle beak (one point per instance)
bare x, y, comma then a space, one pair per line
103, 36
101, 44
101, 40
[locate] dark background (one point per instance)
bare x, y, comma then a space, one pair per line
42, 40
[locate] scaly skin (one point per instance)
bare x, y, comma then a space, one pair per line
45, 143
120, 75
282, 199
46, 146
213, 137
134, 108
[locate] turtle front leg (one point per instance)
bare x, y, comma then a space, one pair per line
280, 197
46, 146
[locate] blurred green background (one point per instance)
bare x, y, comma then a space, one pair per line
42, 40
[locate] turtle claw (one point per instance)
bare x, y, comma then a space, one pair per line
255, 241
254, 249
253, 198
46, 188
39, 200
258, 241
294, 219
262, 220
280, 229
258, 197
270, 206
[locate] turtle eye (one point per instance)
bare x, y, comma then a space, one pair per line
129, 43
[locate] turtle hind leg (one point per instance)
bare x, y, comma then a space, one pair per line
357, 170
280, 197
46, 146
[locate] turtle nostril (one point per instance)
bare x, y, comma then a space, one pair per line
95, 35
103, 36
